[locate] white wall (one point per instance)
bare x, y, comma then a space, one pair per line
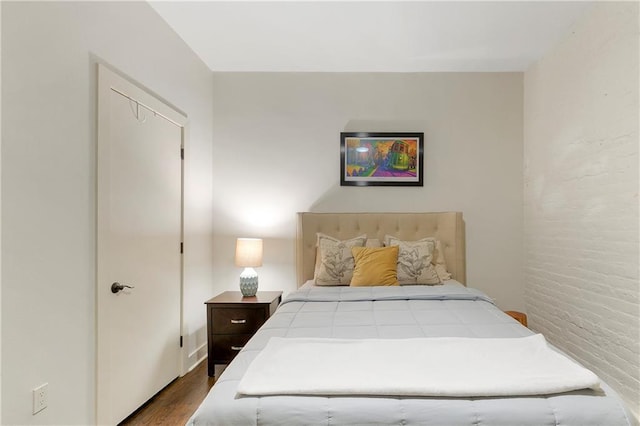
581, 195
49, 59
276, 152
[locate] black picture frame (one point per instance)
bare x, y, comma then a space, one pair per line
381, 158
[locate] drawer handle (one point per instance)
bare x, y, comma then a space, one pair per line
242, 321
236, 348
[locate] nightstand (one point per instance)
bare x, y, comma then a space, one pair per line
519, 316
233, 319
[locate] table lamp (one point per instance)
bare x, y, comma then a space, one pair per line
249, 256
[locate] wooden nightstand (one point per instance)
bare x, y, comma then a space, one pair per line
519, 316
233, 319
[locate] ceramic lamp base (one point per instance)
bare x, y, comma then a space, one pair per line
249, 282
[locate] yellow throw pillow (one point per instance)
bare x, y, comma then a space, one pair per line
375, 266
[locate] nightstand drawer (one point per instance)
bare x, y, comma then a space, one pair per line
227, 346
237, 320
231, 321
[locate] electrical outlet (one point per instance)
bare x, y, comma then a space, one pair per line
40, 397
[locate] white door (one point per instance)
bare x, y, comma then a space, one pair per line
139, 245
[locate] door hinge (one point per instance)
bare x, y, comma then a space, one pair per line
180, 341
181, 248
181, 153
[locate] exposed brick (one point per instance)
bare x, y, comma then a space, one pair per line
581, 183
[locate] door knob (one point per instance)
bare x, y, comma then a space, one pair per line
116, 287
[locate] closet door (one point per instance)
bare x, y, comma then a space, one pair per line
139, 261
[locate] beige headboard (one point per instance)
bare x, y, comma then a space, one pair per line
447, 227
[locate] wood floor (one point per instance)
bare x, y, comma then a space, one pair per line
177, 402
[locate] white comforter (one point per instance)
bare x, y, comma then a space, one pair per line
447, 366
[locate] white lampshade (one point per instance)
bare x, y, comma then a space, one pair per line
249, 252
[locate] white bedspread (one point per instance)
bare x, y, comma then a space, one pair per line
448, 366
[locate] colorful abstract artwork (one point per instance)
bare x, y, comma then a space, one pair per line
391, 159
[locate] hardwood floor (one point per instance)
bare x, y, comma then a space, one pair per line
175, 403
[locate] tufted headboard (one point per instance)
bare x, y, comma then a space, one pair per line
448, 227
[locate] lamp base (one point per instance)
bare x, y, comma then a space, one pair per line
249, 282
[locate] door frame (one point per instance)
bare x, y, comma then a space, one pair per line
111, 80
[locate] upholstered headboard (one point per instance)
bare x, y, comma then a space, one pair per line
447, 227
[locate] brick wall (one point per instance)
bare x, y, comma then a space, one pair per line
581, 195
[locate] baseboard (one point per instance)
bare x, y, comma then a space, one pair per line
197, 363
195, 352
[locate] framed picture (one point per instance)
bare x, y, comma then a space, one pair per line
381, 159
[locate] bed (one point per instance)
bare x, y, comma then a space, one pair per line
341, 322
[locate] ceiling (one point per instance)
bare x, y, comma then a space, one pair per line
359, 36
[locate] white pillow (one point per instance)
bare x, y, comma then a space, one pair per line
438, 261
373, 243
334, 260
415, 261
